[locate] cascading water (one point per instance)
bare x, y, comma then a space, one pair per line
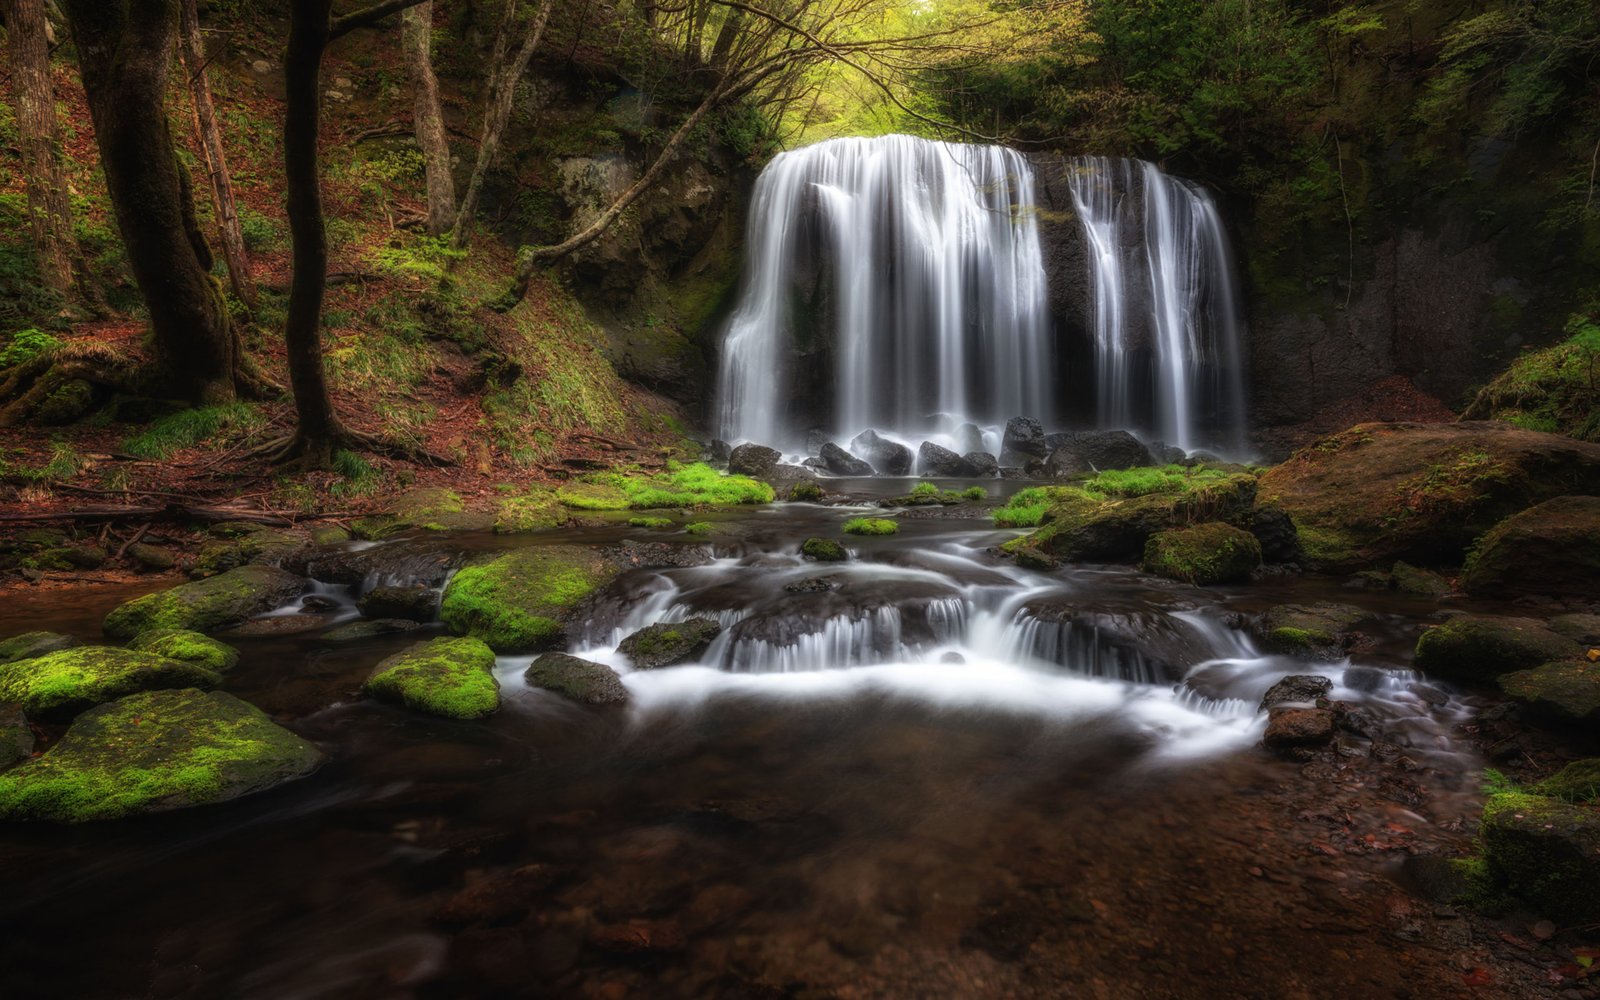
1170, 281
937, 295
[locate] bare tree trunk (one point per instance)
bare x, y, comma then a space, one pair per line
429, 119
49, 211
495, 117
125, 56
234, 253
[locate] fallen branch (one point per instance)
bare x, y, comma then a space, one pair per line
175, 511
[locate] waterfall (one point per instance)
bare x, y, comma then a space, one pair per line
934, 292
1171, 282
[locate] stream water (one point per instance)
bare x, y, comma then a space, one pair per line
924, 772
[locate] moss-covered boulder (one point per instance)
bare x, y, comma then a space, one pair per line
187, 647
1320, 631
155, 751
805, 491
1479, 649
1552, 390
1581, 628
521, 601
1552, 550
823, 550
1566, 692
536, 510
1203, 554
1579, 781
579, 679
235, 544
207, 605
449, 677
1096, 523
430, 508
60, 685
31, 644
1546, 852
669, 643
1421, 492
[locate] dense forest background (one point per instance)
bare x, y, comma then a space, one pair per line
1412, 188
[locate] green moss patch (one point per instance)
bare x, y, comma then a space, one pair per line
206, 605
155, 751
518, 602
1470, 648
1080, 524
656, 523
805, 491
1566, 692
453, 678
425, 509
669, 643
870, 526
1203, 554
695, 485
699, 528
59, 685
1321, 630
535, 510
1544, 851
1579, 781
187, 647
823, 550
1550, 390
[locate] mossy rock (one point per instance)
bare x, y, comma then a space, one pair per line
1546, 852
187, 647
1566, 692
1081, 525
329, 534
535, 510
805, 491
581, 680
519, 602
152, 752
1579, 781
429, 508
823, 550
1479, 649
16, 736
870, 526
1552, 389
156, 558
1420, 492
453, 678
1414, 581
654, 523
67, 403
669, 643
1319, 631
207, 605
245, 545
31, 644
60, 685
1203, 554
1550, 550
418, 603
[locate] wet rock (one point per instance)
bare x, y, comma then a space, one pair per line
659, 555
1355, 720
1453, 481
155, 558
207, 605
1414, 581
1363, 679
60, 685
16, 737
187, 647
1565, 692
31, 644
718, 451
982, 463
1203, 554
1546, 852
277, 626
753, 460
1551, 550
521, 601
581, 680
952, 657
152, 752
1102, 450
841, 463
1472, 648
1291, 728
814, 585
1275, 530
501, 896
1303, 689
1084, 527
669, 643
1022, 442
933, 460
418, 603
236, 544
318, 604
453, 678
1166, 454
805, 491
1062, 464
1319, 631
889, 458
637, 937
370, 628
823, 550
1125, 639
428, 508
406, 562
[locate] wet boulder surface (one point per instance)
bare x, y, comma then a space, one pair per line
208, 605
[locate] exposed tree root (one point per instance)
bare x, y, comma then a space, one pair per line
59, 386
304, 451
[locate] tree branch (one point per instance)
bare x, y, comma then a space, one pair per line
367, 17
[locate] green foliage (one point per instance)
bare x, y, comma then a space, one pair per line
698, 528
693, 485
357, 476
261, 233
651, 522
211, 424
1554, 390
427, 257
805, 491
1156, 479
1027, 507
25, 345
870, 526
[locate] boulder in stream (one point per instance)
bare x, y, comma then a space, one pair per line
1480, 648
1101, 450
823, 550
754, 460
1296, 689
60, 685
934, 460
453, 678
888, 458
1322, 631
1023, 442
1545, 851
666, 644
31, 644
576, 678
1298, 728
1566, 692
416, 602
1551, 550
188, 647
155, 751
208, 605
1203, 554
521, 601
841, 463
981, 463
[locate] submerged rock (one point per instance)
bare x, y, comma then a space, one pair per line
1203, 554
207, 605
888, 458
1550, 550
841, 463
581, 680
668, 643
453, 678
60, 685
1470, 648
521, 601
31, 644
188, 647
754, 460
155, 751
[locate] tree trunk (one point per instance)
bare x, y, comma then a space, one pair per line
495, 116
49, 212
205, 115
429, 120
124, 55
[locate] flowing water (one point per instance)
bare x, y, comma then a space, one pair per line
923, 772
